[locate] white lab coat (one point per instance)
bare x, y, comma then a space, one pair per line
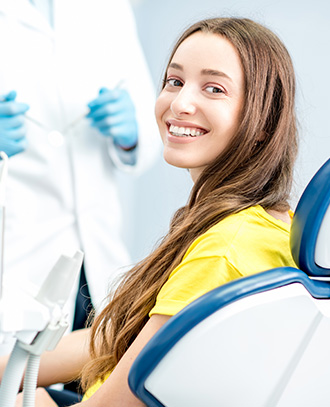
60, 199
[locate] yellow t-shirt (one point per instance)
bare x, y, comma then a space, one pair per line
91, 390
242, 244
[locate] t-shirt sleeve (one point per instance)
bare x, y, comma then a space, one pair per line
190, 280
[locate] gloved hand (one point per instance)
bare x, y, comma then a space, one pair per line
113, 114
12, 124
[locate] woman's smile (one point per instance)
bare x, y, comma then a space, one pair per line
184, 132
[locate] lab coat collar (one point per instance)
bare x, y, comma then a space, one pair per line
25, 13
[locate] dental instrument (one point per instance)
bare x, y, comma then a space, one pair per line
55, 137
82, 116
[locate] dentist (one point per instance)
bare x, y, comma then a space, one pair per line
62, 61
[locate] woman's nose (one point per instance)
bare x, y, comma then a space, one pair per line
184, 103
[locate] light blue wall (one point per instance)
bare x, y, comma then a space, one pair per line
302, 25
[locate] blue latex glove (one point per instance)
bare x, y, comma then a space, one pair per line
113, 114
12, 124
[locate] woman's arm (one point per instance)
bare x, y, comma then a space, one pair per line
115, 391
66, 361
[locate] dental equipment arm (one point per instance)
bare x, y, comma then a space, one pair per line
64, 363
37, 322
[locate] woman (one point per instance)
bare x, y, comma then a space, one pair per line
226, 112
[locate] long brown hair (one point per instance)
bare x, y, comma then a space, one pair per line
255, 169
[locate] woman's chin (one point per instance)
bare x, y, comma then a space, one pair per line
175, 161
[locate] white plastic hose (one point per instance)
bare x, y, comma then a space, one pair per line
30, 381
13, 376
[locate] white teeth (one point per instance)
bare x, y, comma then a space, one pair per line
184, 131
181, 130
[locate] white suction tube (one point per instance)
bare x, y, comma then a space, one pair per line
12, 377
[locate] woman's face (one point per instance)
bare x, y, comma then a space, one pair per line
198, 110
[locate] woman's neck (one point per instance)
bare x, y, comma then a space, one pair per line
283, 216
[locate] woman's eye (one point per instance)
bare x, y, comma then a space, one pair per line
214, 89
173, 82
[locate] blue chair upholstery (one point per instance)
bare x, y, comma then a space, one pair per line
311, 211
263, 340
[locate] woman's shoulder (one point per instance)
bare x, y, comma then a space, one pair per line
244, 228
252, 217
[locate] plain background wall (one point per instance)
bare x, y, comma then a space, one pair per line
303, 25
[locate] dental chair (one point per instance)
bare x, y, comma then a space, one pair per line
263, 340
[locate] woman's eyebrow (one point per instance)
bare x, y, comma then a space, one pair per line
214, 72
174, 65
211, 72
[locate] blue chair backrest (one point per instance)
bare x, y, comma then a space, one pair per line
312, 214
